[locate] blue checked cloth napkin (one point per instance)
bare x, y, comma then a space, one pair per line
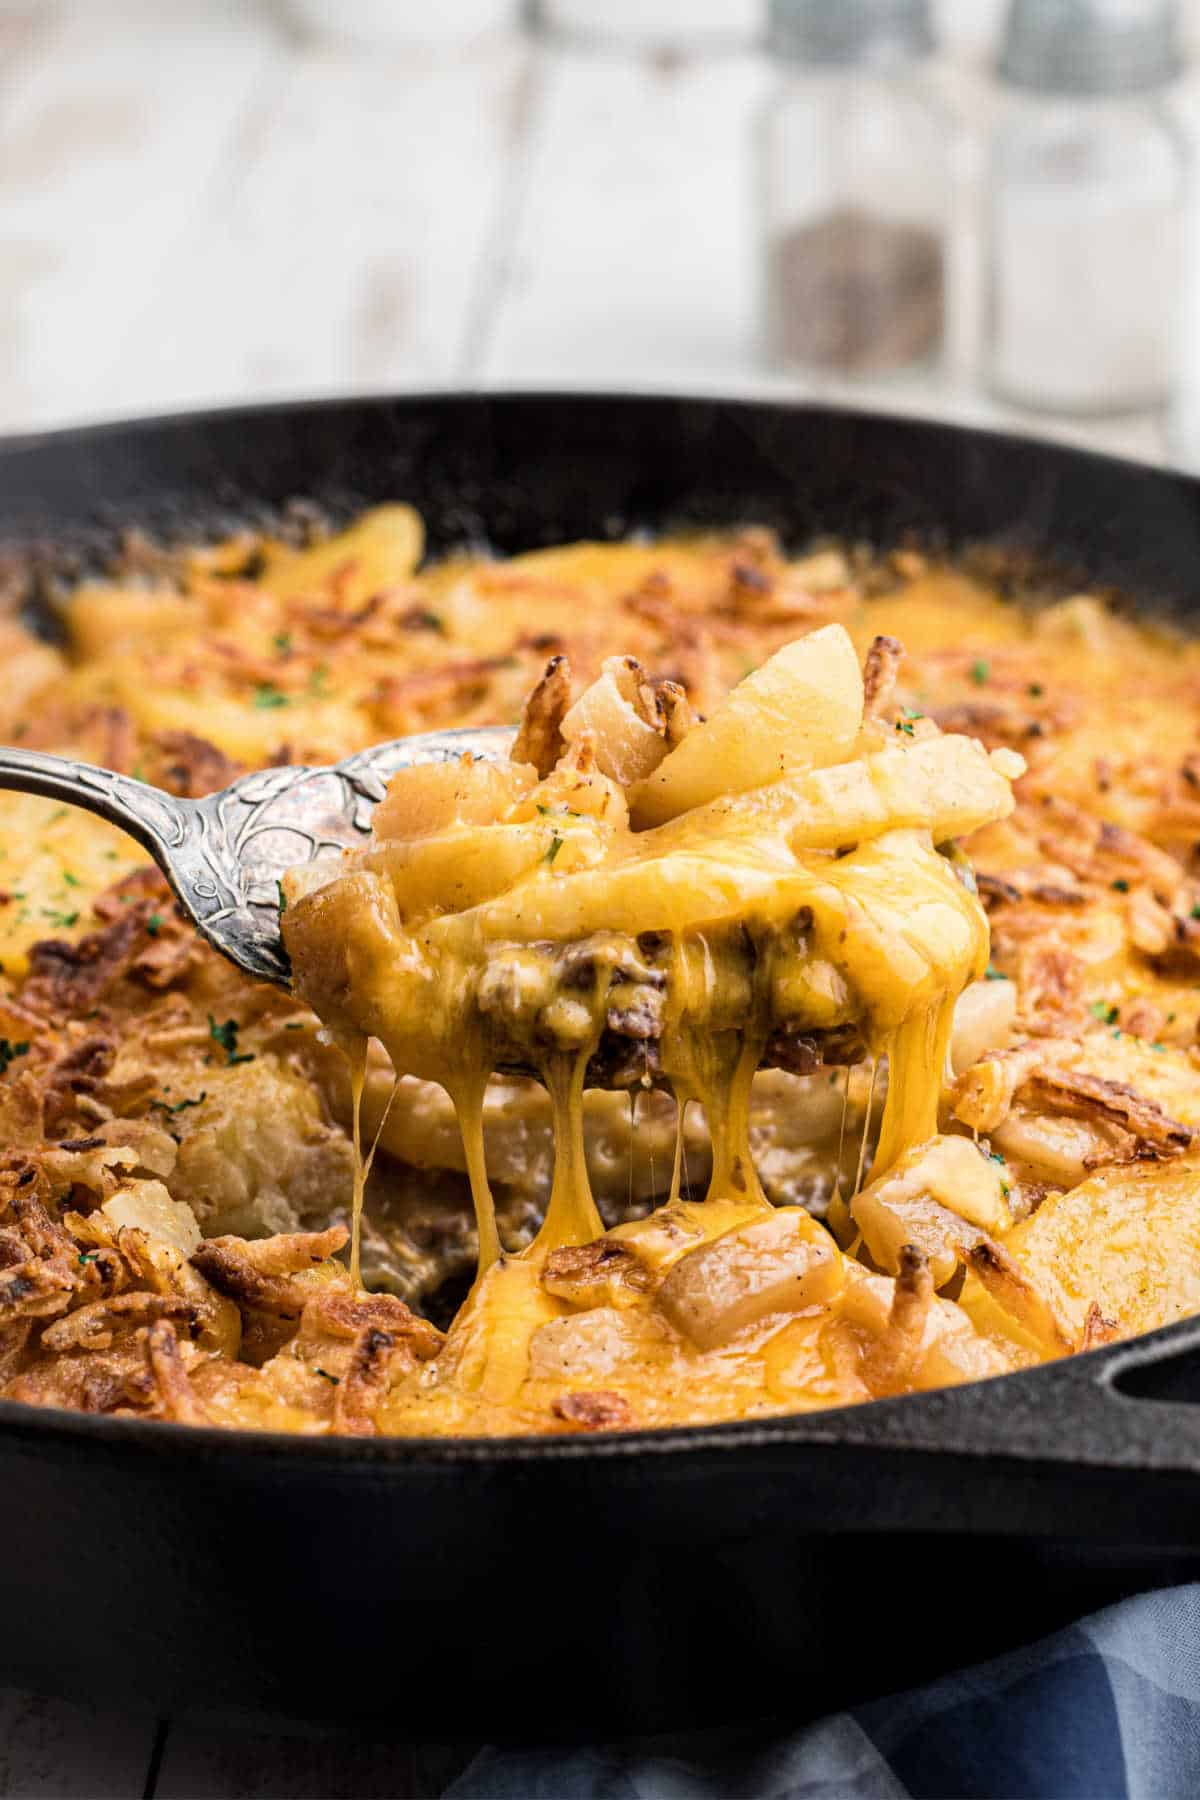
1108, 1707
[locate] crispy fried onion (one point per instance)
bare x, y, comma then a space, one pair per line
361, 1344
539, 738
880, 669
273, 1275
1036, 1078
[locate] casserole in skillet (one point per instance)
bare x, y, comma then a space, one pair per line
785, 462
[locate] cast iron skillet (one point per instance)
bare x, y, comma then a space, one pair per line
618, 1583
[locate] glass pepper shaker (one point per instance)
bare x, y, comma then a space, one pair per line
1085, 206
856, 190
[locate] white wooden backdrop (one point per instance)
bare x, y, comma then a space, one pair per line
196, 208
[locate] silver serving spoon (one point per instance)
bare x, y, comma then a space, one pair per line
225, 855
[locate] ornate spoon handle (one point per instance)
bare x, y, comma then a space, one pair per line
225, 855
155, 819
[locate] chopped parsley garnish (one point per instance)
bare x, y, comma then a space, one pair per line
88, 1256
60, 812
1005, 1187
1036, 690
326, 1376
179, 1105
980, 671
227, 1036
318, 681
992, 973
61, 919
267, 696
556, 845
1121, 885
154, 924
71, 880
428, 621
1195, 912
904, 725
1106, 1013
282, 642
9, 1050
282, 898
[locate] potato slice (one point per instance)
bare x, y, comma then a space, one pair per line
379, 550
1127, 1240
946, 785
433, 797
783, 1262
983, 1016
802, 709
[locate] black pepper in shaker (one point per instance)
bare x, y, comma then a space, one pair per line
856, 181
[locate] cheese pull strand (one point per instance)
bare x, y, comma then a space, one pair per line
467, 1097
571, 1216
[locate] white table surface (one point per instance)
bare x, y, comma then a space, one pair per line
197, 208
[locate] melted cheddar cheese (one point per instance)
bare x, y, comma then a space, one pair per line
502, 918
700, 859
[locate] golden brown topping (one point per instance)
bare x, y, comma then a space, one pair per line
268, 1276
539, 737
96, 1325
592, 1274
173, 1392
590, 1410
1085, 1096
363, 1385
191, 766
889, 1362
1097, 1329
880, 670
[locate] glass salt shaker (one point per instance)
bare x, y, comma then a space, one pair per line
856, 159
1085, 207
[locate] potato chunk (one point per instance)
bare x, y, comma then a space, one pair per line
148, 1207
933, 1192
802, 709
257, 1156
783, 1262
